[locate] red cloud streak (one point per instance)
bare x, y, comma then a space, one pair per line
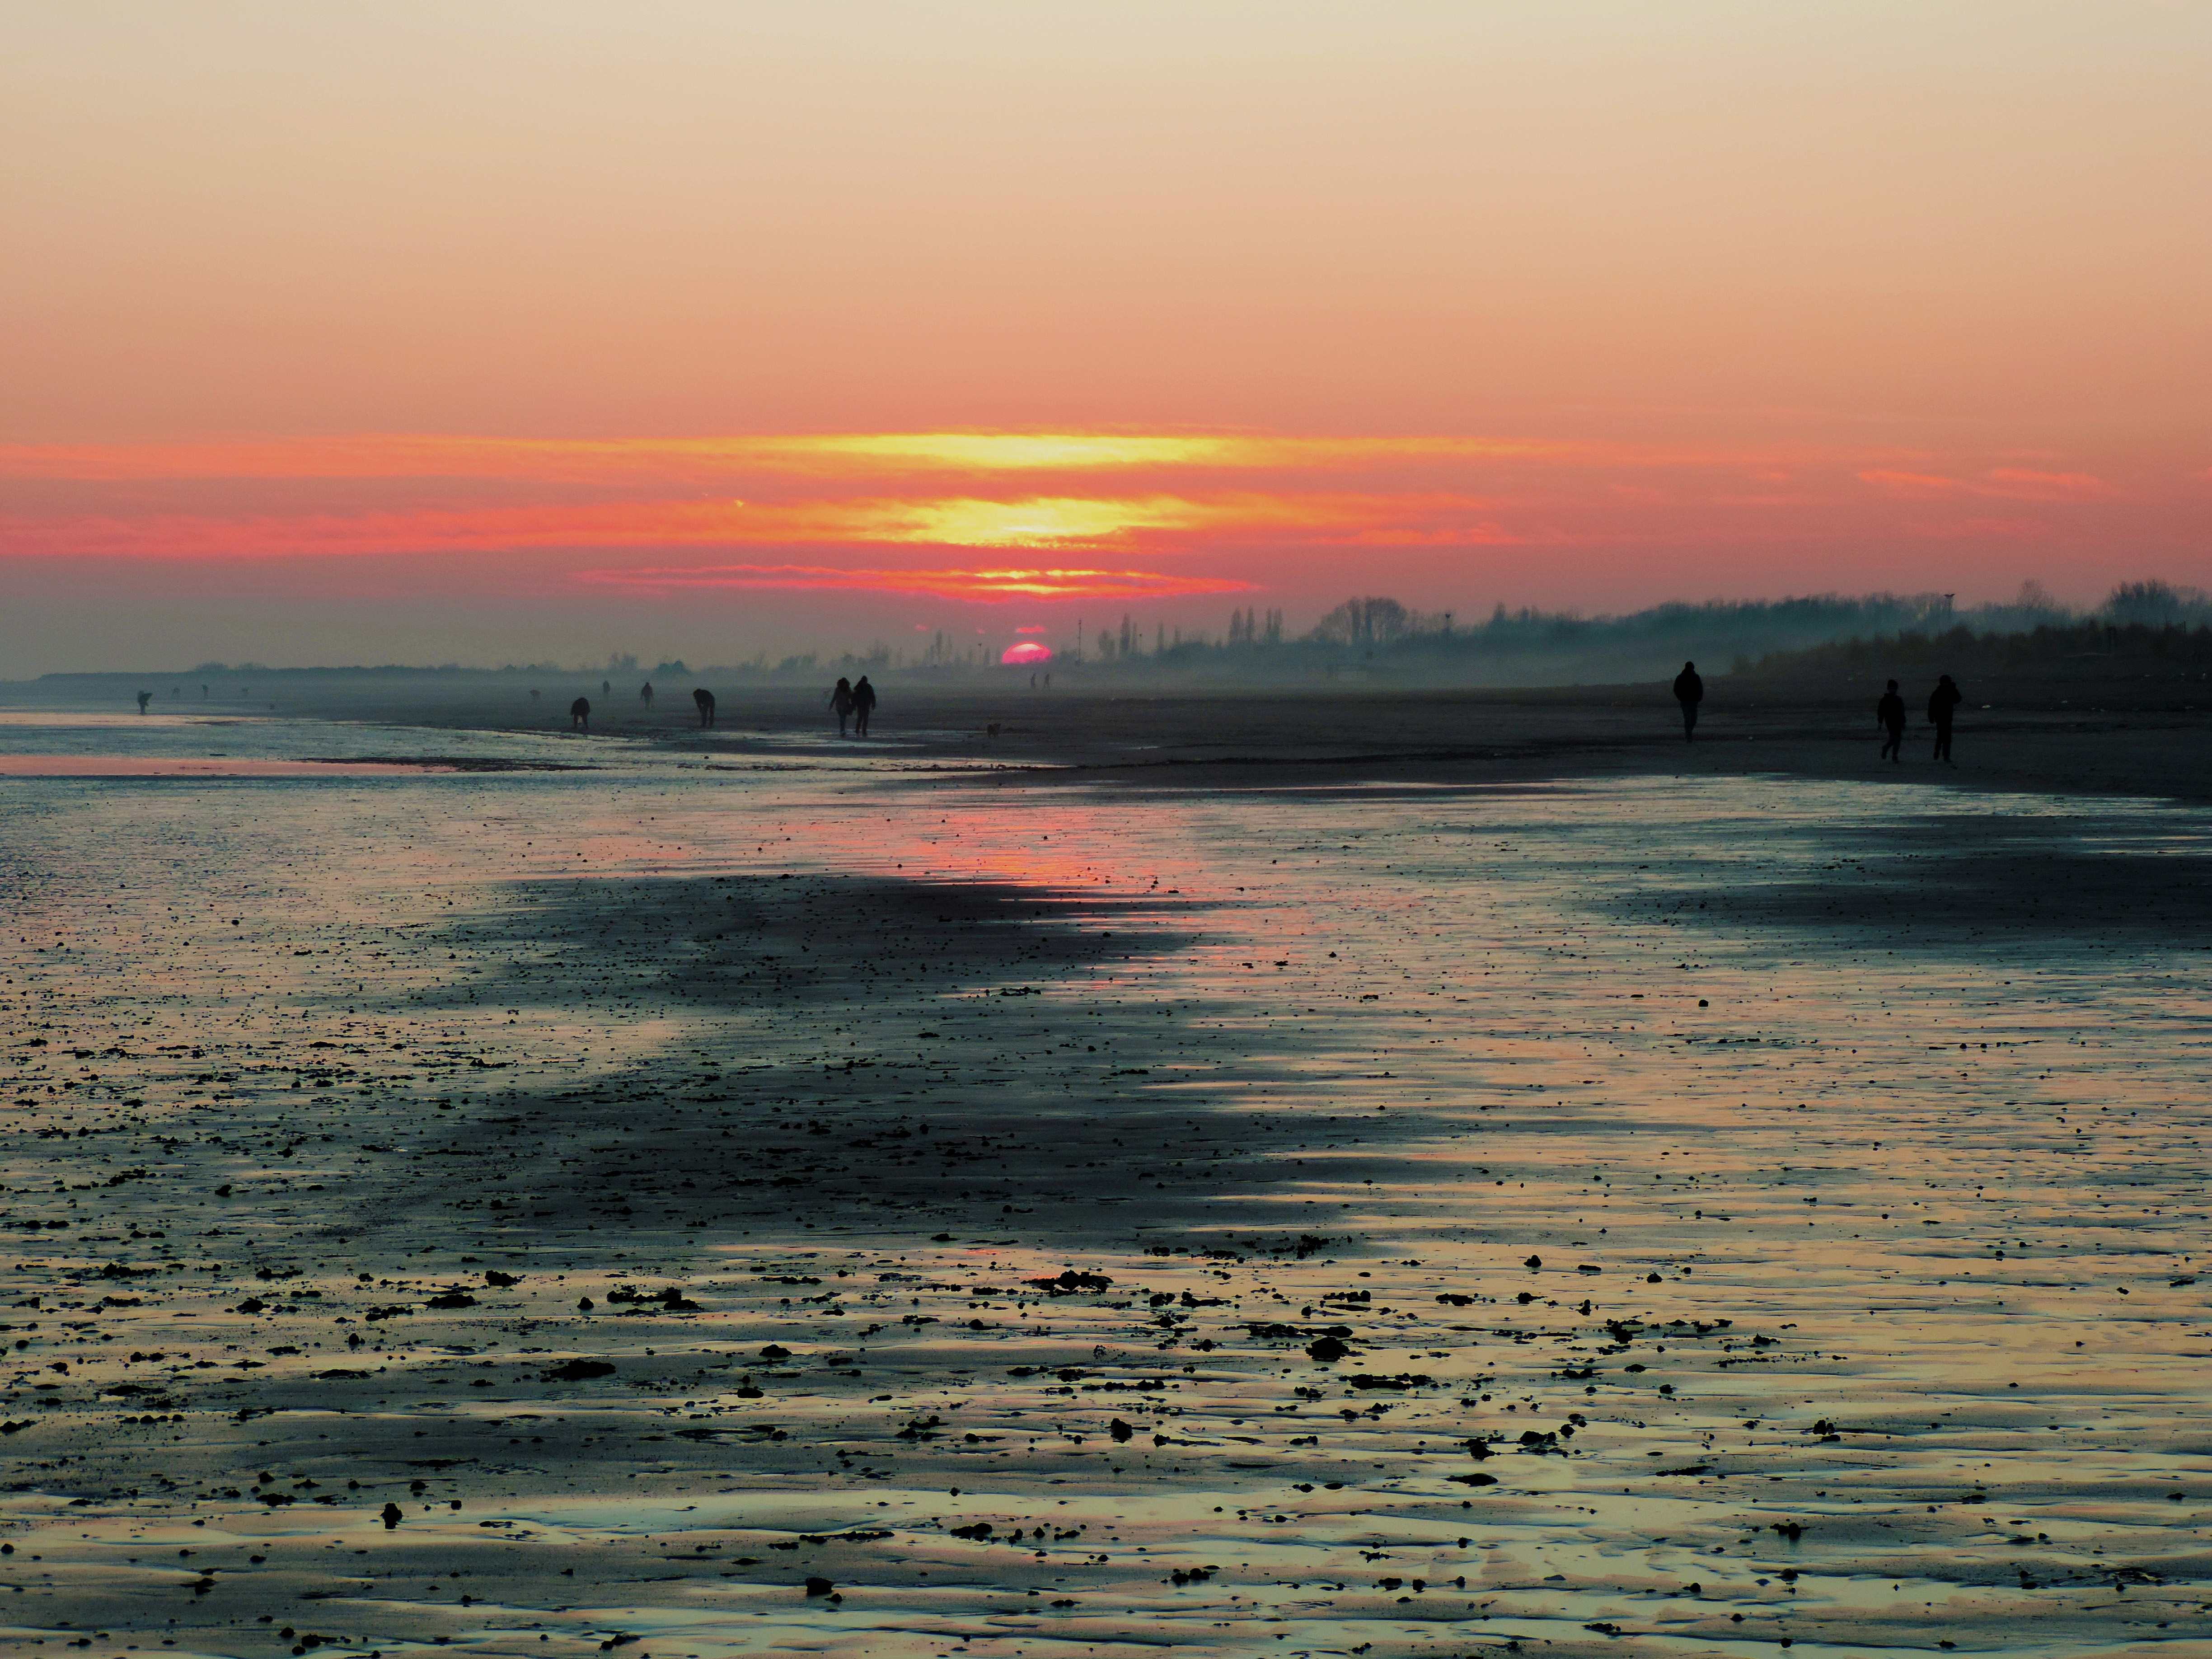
975, 521
985, 585
1044, 515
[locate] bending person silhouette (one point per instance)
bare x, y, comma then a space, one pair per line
864, 704
1889, 715
1943, 704
579, 715
1689, 691
705, 699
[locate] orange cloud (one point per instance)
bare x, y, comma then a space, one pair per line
1048, 514
1979, 529
1096, 520
378, 455
950, 521
2028, 486
986, 585
1999, 484
839, 455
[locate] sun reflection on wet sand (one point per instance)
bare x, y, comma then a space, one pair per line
1808, 1236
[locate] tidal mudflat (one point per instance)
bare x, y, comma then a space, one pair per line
821, 1207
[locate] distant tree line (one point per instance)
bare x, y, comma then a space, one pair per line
1375, 638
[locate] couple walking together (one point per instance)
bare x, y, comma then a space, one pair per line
856, 703
1942, 705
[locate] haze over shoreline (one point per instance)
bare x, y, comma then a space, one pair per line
1378, 639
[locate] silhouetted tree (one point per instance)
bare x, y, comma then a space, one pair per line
2155, 603
1365, 623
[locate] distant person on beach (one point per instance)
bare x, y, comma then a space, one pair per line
145, 697
841, 701
1943, 704
644, 695
1889, 715
705, 699
864, 704
579, 715
1689, 691
607, 688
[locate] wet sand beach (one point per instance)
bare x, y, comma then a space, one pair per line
1208, 1176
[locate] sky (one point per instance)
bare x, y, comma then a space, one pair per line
547, 331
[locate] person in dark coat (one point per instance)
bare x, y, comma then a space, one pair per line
864, 704
579, 715
1943, 704
1689, 691
840, 703
1889, 715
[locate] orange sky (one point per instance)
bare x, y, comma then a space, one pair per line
502, 332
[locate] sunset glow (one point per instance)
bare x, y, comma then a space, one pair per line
717, 331
1206, 515
970, 585
843, 455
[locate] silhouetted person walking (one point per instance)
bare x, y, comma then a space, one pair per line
1943, 704
1689, 691
1889, 715
841, 701
579, 715
705, 699
145, 697
644, 695
864, 704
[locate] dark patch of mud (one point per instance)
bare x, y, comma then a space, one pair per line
450, 762
1940, 881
